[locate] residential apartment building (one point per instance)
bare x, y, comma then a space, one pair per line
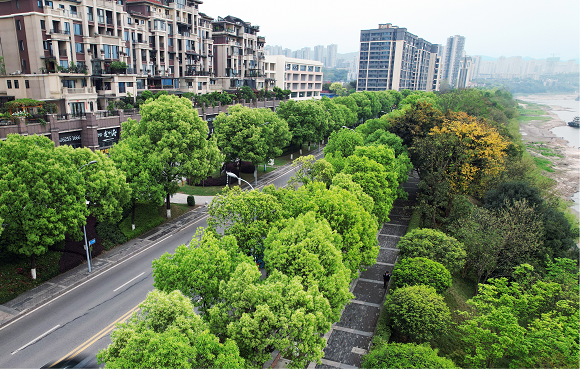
391, 58
239, 54
302, 77
454, 52
331, 55
82, 54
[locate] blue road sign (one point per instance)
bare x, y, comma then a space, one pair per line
91, 242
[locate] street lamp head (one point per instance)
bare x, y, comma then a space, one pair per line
92, 162
230, 174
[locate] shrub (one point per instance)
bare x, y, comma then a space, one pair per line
190, 201
415, 271
405, 355
417, 313
110, 234
247, 167
434, 245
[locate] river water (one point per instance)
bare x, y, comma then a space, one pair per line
566, 110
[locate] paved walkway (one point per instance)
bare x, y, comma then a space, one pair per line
350, 338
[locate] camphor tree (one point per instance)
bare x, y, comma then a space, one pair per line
42, 196
278, 313
307, 121
198, 269
308, 169
344, 213
177, 139
421, 271
247, 215
167, 333
309, 248
405, 355
141, 170
105, 185
255, 135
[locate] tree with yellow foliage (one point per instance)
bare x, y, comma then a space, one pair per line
460, 156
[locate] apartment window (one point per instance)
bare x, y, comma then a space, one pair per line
90, 13
148, 8
23, 63
48, 3
83, 82
126, 34
100, 15
303, 68
45, 45
129, 84
9, 83
122, 89
39, 3
79, 47
78, 29
169, 42
17, 4
64, 63
140, 84
61, 6
26, 83
310, 68
66, 28
42, 24
16, 84
21, 45
73, 9
317, 69
128, 20
68, 83
18, 25
128, 51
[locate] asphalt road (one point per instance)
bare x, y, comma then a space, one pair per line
78, 323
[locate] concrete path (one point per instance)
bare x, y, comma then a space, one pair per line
350, 338
181, 198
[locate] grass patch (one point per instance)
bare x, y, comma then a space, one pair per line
532, 118
201, 190
149, 216
544, 150
456, 298
15, 273
415, 221
544, 164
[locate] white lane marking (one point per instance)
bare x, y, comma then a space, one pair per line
118, 288
37, 338
88, 280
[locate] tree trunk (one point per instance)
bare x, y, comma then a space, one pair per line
133, 217
168, 206
33, 266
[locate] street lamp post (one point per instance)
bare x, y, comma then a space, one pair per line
84, 228
348, 128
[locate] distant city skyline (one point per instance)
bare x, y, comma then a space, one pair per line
533, 28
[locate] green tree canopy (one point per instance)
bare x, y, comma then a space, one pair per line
417, 313
307, 120
309, 170
42, 195
309, 248
434, 245
197, 270
277, 313
343, 142
345, 215
416, 121
177, 138
106, 188
523, 323
255, 135
247, 215
168, 334
405, 355
343, 180
421, 271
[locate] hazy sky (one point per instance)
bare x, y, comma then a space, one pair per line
534, 28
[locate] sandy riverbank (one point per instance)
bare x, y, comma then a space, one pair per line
567, 167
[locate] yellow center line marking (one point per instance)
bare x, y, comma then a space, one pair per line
96, 337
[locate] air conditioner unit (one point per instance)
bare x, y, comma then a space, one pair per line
96, 34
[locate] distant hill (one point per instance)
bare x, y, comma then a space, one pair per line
525, 58
347, 56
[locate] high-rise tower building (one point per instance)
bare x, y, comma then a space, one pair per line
331, 55
391, 58
454, 52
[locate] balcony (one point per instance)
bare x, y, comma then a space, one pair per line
105, 4
82, 90
58, 34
